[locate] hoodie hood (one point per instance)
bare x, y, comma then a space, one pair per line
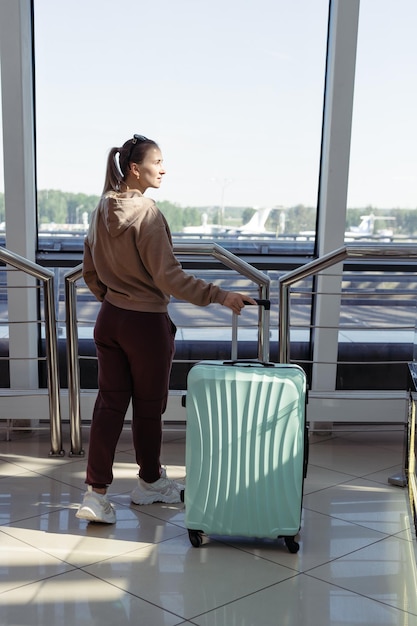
131, 262
121, 210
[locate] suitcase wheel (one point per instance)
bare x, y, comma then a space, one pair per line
195, 538
291, 544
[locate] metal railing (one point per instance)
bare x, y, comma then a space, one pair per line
314, 267
228, 259
47, 278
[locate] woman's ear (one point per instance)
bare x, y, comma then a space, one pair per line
134, 168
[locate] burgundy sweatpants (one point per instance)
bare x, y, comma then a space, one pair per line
135, 352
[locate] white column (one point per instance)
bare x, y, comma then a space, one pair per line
19, 181
334, 172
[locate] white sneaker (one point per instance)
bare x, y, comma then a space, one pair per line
96, 508
162, 490
180, 483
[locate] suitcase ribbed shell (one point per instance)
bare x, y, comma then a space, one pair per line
245, 449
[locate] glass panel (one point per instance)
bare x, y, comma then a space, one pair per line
382, 197
232, 91
2, 209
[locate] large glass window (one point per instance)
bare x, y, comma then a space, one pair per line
2, 210
231, 90
382, 199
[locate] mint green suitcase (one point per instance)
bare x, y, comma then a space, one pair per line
246, 450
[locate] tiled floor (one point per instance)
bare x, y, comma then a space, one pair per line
356, 564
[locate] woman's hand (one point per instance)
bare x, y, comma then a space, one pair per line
236, 301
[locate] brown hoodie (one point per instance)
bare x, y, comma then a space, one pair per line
129, 260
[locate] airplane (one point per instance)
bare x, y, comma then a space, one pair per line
255, 226
367, 228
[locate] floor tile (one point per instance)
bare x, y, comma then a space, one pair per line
321, 477
80, 543
173, 513
304, 601
189, 581
337, 455
384, 475
393, 584
8, 468
29, 495
77, 598
35, 444
21, 563
364, 502
322, 539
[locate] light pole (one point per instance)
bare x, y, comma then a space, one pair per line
77, 213
224, 182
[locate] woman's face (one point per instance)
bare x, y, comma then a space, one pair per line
150, 170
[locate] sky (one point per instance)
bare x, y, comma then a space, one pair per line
232, 90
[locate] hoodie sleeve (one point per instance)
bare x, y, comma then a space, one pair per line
158, 257
90, 275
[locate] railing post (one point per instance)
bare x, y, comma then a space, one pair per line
72, 361
47, 278
52, 368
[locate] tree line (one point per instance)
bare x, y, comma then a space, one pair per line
59, 207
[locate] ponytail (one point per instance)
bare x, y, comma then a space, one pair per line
111, 183
114, 175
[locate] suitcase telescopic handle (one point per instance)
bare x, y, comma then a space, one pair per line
265, 303
260, 302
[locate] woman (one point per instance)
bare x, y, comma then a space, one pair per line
129, 265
